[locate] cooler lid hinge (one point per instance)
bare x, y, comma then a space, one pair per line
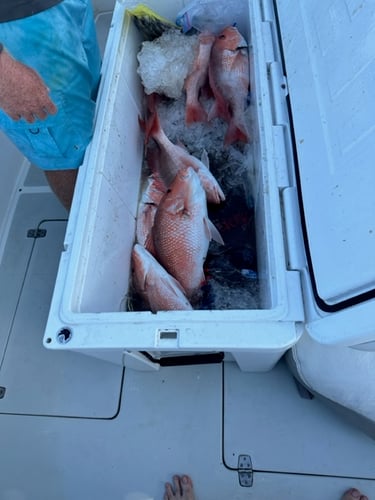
245, 471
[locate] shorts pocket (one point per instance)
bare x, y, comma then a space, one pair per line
42, 141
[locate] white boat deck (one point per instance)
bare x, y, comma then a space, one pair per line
77, 428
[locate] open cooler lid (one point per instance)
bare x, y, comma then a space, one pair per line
328, 50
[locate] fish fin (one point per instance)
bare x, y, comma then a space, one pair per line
195, 113
212, 232
149, 244
158, 188
168, 281
179, 206
219, 196
236, 132
205, 159
181, 145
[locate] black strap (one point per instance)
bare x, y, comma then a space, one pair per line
194, 359
18, 9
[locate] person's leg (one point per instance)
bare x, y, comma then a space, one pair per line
62, 183
182, 489
354, 494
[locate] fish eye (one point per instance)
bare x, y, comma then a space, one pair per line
222, 37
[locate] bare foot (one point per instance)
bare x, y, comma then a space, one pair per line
183, 489
354, 494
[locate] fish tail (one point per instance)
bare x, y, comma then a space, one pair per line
150, 126
195, 113
219, 109
236, 132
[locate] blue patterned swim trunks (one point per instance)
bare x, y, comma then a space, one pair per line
60, 44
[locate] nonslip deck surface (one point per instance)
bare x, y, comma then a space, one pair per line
169, 422
34, 380
265, 417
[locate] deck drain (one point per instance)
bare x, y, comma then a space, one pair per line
64, 336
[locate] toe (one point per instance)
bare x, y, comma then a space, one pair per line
177, 487
187, 488
169, 494
182, 489
353, 494
186, 483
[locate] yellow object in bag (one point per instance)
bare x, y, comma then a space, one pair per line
149, 22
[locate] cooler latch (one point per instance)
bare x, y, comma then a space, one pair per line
245, 471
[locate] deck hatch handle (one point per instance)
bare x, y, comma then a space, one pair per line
36, 233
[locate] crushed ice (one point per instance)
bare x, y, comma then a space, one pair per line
165, 63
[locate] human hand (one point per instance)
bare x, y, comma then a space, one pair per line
23, 94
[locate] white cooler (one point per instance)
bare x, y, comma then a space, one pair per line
312, 67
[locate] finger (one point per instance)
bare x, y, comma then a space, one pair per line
50, 107
15, 116
41, 113
29, 117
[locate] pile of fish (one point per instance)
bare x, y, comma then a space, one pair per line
224, 59
173, 227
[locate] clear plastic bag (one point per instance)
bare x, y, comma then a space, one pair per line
211, 15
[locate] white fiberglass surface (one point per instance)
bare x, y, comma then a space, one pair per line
330, 65
266, 418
